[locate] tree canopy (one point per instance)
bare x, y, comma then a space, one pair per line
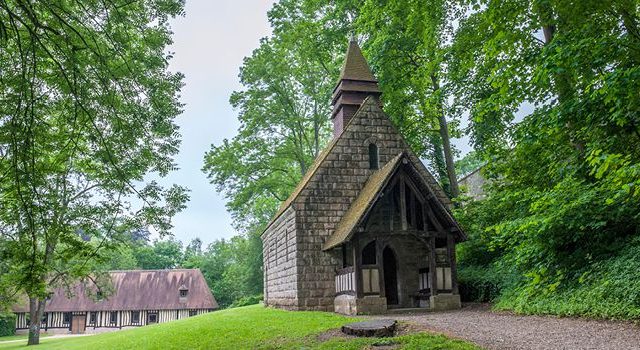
87, 108
547, 92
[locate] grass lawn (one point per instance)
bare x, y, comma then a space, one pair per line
251, 327
18, 337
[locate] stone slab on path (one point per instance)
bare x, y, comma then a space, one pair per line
372, 328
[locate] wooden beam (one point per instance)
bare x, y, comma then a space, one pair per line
434, 219
414, 188
357, 265
403, 205
380, 263
412, 209
432, 265
451, 249
392, 208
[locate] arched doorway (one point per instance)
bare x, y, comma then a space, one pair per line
390, 268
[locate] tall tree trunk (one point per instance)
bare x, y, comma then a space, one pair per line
446, 142
36, 310
564, 84
438, 160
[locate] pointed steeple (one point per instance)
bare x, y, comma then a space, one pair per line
355, 84
355, 66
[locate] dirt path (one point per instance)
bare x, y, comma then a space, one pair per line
497, 330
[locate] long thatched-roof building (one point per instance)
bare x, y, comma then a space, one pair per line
139, 298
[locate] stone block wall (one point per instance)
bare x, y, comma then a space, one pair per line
473, 184
330, 192
441, 302
279, 247
298, 273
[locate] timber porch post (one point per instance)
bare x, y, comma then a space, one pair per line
432, 265
357, 270
451, 248
380, 263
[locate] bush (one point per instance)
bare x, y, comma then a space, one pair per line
479, 284
609, 288
250, 300
7, 324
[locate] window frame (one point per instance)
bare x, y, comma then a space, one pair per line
111, 317
374, 156
135, 317
66, 318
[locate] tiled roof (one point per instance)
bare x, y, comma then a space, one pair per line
137, 290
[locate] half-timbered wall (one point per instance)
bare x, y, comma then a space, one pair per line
56, 320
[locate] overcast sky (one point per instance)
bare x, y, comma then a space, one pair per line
210, 42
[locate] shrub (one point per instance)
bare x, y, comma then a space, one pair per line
479, 284
7, 324
609, 288
250, 300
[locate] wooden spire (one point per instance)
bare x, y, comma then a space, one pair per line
355, 84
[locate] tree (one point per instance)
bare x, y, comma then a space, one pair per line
87, 109
469, 163
564, 200
284, 113
407, 48
163, 254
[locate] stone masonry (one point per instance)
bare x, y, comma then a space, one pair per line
298, 274
321, 205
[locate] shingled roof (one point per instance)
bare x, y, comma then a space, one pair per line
368, 196
355, 65
362, 203
137, 290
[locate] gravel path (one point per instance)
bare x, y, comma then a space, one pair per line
500, 330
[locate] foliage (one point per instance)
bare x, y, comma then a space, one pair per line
252, 327
480, 284
231, 268
284, 115
605, 289
88, 108
163, 254
471, 162
563, 203
7, 324
246, 301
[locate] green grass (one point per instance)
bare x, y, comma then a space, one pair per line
19, 337
251, 327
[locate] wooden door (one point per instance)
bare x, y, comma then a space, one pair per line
78, 324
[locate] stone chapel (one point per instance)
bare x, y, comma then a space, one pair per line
368, 228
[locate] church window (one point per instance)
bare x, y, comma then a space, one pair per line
373, 156
369, 254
